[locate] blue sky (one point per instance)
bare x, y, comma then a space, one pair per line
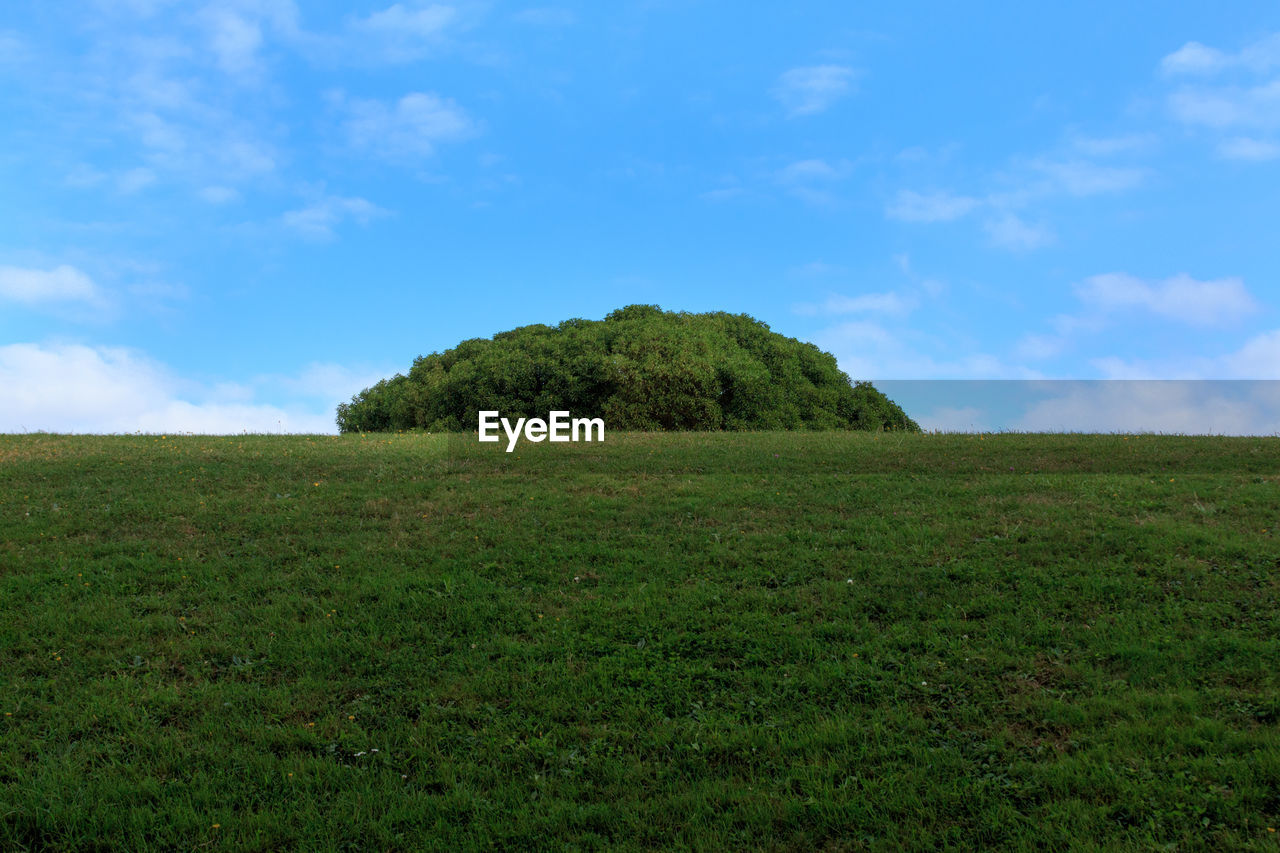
231, 215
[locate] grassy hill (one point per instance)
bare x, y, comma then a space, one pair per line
780, 641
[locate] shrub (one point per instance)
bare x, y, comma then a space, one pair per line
640, 368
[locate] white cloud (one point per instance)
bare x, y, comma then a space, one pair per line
1115, 368
1263, 55
12, 48
1067, 324
1032, 180
317, 220
323, 381
1228, 106
1238, 105
816, 268
932, 286
808, 179
1156, 406
73, 388
218, 194
141, 8
1181, 297
546, 16
160, 101
410, 128
1011, 232
201, 144
156, 296
77, 388
815, 170
1222, 106
889, 303
1106, 146
60, 284
83, 176
233, 38
910, 206
1195, 58
1037, 347
1244, 148
1080, 178
722, 194
134, 180
423, 22
130, 181
282, 15
162, 136
812, 89
867, 350
1258, 358
404, 34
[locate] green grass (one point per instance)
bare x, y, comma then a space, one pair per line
681, 641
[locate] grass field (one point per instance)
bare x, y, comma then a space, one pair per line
711, 642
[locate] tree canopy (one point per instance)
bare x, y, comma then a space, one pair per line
640, 368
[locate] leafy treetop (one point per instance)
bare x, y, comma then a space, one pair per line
640, 368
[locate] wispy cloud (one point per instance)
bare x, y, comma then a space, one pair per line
408, 129
911, 206
811, 180
125, 182
405, 34
868, 350
1245, 148
318, 220
324, 381
1145, 406
155, 86
1257, 358
722, 194
133, 180
12, 48
1194, 58
61, 284
1228, 106
112, 389
1180, 297
804, 171
1009, 231
1248, 99
545, 16
234, 39
1038, 347
1082, 178
887, 303
813, 89
1107, 146
161, 103
1028, 181
215, 194
816, 269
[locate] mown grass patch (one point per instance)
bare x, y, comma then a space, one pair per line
714, 641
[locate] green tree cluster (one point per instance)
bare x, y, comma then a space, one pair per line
640, 368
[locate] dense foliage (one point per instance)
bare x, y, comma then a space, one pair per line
641, 368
